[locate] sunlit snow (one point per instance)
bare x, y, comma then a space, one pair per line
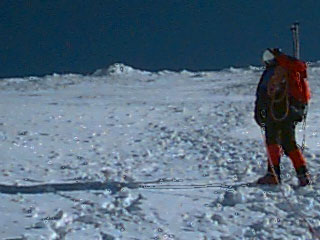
127, 125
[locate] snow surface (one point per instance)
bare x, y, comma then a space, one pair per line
128, 125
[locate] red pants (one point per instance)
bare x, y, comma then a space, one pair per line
280, 137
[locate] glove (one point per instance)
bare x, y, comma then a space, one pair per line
260, 116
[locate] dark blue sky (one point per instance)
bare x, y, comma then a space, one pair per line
42, 37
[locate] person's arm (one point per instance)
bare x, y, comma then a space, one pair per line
260, 108
260, 112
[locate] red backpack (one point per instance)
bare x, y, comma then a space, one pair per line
298, 84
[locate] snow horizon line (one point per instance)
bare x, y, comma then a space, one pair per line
120, 68
124, 68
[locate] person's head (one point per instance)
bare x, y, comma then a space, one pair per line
268, 57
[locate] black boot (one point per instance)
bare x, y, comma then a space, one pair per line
270, 178
303, 176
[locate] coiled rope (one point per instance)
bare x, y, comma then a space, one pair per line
283, 97
304, 125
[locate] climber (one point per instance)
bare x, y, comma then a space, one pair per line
281, 102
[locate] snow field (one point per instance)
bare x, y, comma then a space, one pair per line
123, 124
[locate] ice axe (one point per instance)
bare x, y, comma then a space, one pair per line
296, 52
296, 42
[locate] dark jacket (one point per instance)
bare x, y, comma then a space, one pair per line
262, 98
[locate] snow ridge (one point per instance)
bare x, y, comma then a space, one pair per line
118, 71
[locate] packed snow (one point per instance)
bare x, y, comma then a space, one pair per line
192, 131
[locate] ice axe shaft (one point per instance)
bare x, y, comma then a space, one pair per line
296, 40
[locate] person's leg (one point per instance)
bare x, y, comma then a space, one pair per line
274, 154
292, 150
